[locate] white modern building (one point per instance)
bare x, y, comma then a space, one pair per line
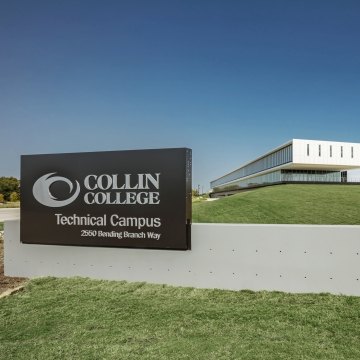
295, 161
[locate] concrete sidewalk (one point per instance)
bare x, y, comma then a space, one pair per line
9, 214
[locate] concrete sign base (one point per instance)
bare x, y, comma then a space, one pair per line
290, 258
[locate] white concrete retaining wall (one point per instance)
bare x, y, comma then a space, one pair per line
291, 258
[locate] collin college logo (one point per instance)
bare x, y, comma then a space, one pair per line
108, 189
41, 191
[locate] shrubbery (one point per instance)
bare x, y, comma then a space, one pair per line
227, 188
9, 187
14, 196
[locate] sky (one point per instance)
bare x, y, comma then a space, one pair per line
230, 79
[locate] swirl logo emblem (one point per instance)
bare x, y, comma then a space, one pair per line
41, 191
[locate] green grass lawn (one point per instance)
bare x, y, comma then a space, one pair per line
10, 205
1, 226
285, 204
88, 319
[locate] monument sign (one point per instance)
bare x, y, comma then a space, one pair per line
136, 199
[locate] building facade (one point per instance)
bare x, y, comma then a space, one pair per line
295, 161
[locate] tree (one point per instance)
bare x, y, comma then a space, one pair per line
195, 192
9, 185
1, 198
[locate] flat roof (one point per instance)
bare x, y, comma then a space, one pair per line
258, 158
279, 148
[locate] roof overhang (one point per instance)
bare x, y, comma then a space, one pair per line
327, 167
295, 166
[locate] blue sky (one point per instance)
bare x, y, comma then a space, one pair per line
229, 79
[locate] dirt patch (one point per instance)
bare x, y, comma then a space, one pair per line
7, 282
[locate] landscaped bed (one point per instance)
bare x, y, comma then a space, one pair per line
7, 282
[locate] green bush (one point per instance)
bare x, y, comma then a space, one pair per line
14, 196
8, 185
227, 188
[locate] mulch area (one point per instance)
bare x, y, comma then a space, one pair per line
7, 282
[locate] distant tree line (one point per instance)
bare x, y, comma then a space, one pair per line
9, 189
195, 192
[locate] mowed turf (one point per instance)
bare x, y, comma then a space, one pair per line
10, 205
88, 319
285, 204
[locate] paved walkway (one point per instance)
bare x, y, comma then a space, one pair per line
9, 214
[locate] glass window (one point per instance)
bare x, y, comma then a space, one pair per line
319, 150
330, 150
352, 152
308, 149
342, 152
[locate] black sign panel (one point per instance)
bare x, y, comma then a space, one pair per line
139, 198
